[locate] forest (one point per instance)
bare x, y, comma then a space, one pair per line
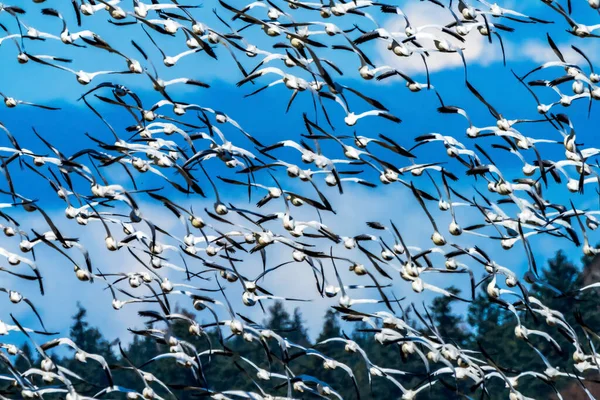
486, 326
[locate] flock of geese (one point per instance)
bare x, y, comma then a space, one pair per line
192, 151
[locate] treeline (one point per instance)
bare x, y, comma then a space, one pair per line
487, 327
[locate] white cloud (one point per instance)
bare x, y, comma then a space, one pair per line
537, 51
477, 50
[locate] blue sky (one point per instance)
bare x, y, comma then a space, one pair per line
264, 116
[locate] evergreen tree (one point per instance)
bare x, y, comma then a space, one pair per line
491, 326
560, 276
298, 333
142, 349
27, 359
449, 325
589, 301
331, 326
278, 320
90, 340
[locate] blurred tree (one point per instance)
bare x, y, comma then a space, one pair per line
331, 326
298, 333
589, 301
90, 340
27, 359
492, 327
278, 318
489, 325
450, 325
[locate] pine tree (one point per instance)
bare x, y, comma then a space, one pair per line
331, 326
560, 276
26, 359
589, 301
449, 324
489, 321
279, 320
298, 333
492, 327
90, 340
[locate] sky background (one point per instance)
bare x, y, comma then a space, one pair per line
264, 116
